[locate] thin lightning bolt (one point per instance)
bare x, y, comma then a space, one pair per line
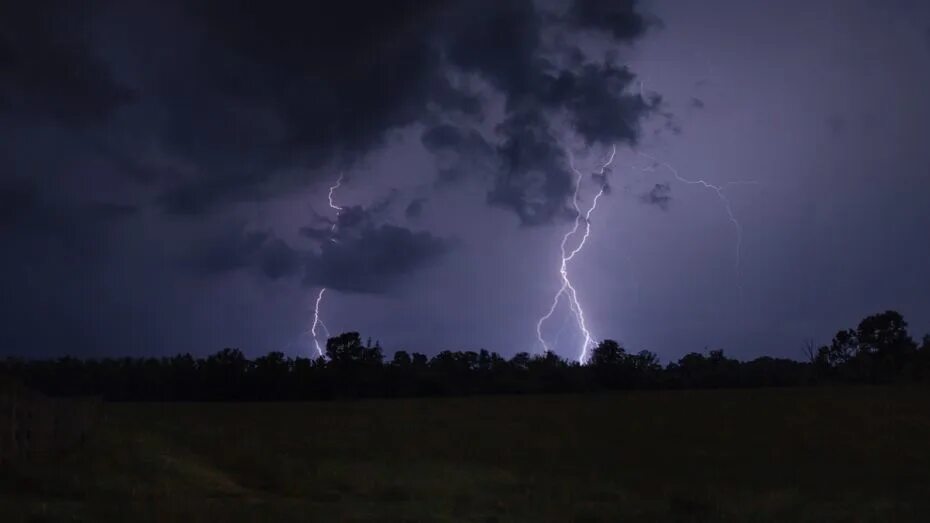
718, 189
332, 204
319, 297
567, 289
317, 321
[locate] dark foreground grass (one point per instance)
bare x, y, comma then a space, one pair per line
844, 454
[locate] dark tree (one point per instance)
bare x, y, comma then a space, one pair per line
224, 373
841, 350
419, 361
270, 375
885, 333
345, 349
401, 360
878, 350
884, 340
608, 353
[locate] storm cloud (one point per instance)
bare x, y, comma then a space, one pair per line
372, 258
414, 209
159, 136
660, 195
166, 165
356, 253
507, 48
249, 100
48, 69
360, 253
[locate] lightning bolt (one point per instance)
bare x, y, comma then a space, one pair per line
719, 191
317, 322
332, 203
567, 289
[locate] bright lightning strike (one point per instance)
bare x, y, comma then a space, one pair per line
332, 204
317, 322
567, 289
718, 189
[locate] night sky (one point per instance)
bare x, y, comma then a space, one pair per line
166, 166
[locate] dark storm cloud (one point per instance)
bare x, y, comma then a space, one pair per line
532, 176
360, 254
472, 153
697, 103
199, 196
659, 195
350, 217
109, 211
619, 18
279, 260
444, 136
265, 91
601, 113
26, 212
48, 68
372, 258
500, 43
17, 200
415, 208
328, 80
251, 97
234, 249
533, 182
505, 46
112, 110
449, 98
364, 256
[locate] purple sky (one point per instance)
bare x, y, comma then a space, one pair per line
165, 173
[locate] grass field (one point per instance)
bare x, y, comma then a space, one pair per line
850, 454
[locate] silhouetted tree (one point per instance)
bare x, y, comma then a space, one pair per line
402, 360
884, 340
878, 350
345, 349
713, 370
608, 353
839, 353
520, 361
419, 361
270, 375
224, 374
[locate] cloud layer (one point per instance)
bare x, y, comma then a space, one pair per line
245, 99
145, 142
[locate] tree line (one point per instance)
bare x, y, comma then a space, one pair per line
879, 350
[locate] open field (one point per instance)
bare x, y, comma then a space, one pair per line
851, 454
